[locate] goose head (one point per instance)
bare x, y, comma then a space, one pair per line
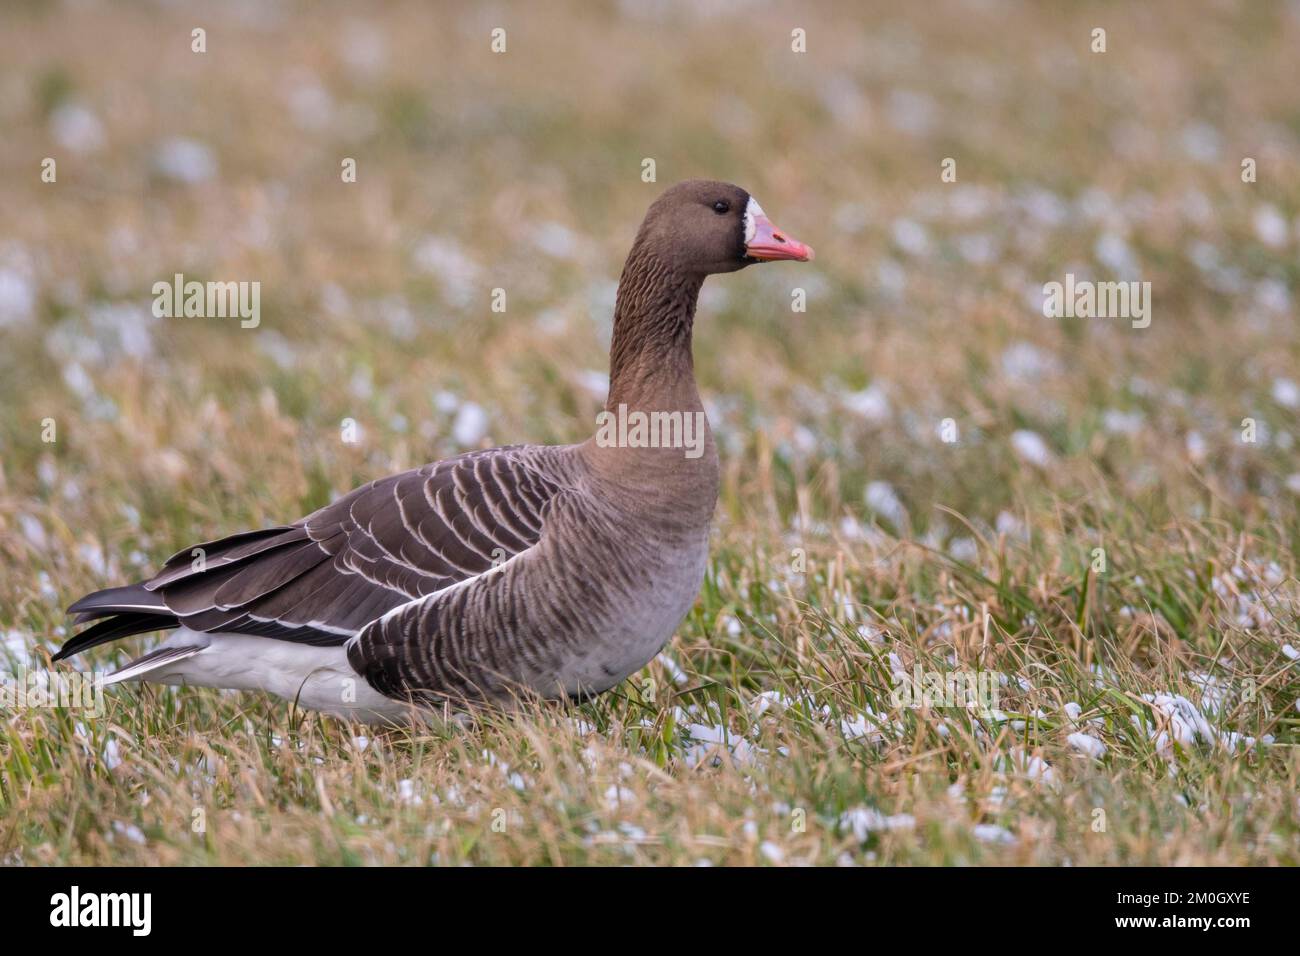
706, 227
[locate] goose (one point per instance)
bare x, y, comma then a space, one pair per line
553, 571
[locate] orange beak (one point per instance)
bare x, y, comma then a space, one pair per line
770, 243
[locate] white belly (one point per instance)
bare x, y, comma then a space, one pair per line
318, 678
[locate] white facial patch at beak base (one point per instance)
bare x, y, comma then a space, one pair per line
752, 210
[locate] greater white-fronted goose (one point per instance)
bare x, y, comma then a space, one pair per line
552, 570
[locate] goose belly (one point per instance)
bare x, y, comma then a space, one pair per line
317, 678
629, 638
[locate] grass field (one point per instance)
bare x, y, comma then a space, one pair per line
1109, 538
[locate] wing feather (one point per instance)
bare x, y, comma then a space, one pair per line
324, 578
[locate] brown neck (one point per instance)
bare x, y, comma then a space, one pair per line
651, 370
650, 363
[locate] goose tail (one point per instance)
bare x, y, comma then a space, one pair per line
158, 657
117, 613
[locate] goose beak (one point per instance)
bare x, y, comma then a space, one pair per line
770, 243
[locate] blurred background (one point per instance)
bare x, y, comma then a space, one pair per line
522, 170
1142, 686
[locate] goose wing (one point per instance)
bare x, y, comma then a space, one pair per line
324, 578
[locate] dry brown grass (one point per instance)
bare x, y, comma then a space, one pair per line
528, 166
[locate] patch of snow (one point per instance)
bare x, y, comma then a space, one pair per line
1088, 745
185, 160
1029, 446
872, 403
884, 501
470, 426
992, 833
863, 821
1270, 226
76, 127
1286, 392
911, 237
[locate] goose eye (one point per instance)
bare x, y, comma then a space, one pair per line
722, 207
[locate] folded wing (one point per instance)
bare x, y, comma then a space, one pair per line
322, 579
